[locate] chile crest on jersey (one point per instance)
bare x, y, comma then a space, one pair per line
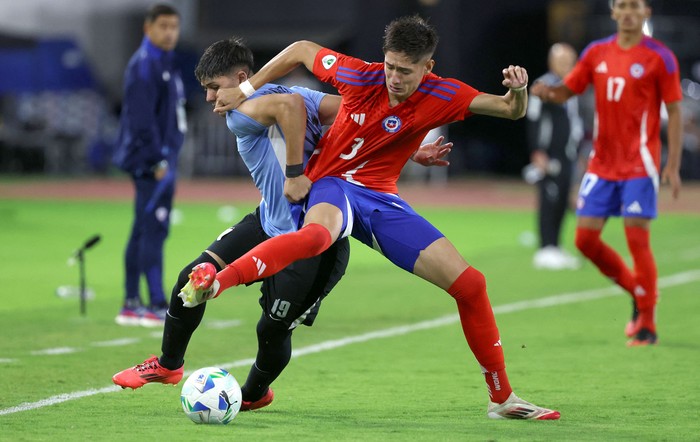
392, 124
637, 70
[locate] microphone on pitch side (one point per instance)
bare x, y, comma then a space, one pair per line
88, 244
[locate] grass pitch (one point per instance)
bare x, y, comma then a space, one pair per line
386, 359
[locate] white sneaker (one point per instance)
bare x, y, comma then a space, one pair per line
554, 258
572, 262
516, 408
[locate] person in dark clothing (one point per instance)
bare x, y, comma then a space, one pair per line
152, 128
554, 132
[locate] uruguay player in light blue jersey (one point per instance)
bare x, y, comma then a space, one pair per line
293, 296
269, 129
262, 147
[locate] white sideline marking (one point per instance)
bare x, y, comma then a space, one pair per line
116, 342
56, 351
548, 301
222, 324
216, 324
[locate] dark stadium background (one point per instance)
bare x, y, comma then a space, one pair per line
61, 66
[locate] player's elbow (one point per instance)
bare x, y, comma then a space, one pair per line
292, 104
520, 113
302, 44
518, 109
304, 52
515, 113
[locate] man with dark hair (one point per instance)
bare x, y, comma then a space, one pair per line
632, 75
274, 116
387, 109
151, 133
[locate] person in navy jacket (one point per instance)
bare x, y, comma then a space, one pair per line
152, 128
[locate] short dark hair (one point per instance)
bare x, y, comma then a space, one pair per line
222, 57
612, 3
160, 9
412, 36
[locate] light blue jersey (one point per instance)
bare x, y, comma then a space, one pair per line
264, 152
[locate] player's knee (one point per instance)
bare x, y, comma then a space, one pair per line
272, 334
274, 345
316, 237
469, 284
637, 238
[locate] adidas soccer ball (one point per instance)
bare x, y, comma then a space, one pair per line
211, 395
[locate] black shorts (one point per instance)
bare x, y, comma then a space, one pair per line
293, 295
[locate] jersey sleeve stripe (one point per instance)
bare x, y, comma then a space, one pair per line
359, 78
360, 83
352, 73
442, 83
435, 94
358, 71
439, 89
664, 53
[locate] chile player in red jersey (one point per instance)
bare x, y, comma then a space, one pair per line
387, 109
632, 74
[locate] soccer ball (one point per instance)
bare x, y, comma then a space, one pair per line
211, 395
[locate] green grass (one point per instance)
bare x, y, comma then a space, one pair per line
423, 385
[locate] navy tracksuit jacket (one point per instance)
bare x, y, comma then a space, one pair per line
152, 128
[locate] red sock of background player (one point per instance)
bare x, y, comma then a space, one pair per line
479, 327
646, 275
271, 256
605, 258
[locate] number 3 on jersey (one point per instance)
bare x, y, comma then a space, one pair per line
615, 87
355, 147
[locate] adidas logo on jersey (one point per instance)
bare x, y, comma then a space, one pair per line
635, 207
260, 264
602, 68
358, 118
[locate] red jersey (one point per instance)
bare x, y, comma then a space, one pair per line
629, 86
369, 142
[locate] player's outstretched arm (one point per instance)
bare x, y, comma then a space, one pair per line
289, 113
551, 94
301, 52
513, 104
671, 171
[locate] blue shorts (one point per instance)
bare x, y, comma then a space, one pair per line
601, 198
382, 221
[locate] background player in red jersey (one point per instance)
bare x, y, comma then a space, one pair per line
387, 109
632, 74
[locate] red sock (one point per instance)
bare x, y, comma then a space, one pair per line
271, 256
605, 258
646, 274
479, 327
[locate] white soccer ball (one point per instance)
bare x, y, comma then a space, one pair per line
211, 395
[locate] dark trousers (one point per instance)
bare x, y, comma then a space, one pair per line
144, 251
553, 201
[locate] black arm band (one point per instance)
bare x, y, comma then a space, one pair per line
294, 170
